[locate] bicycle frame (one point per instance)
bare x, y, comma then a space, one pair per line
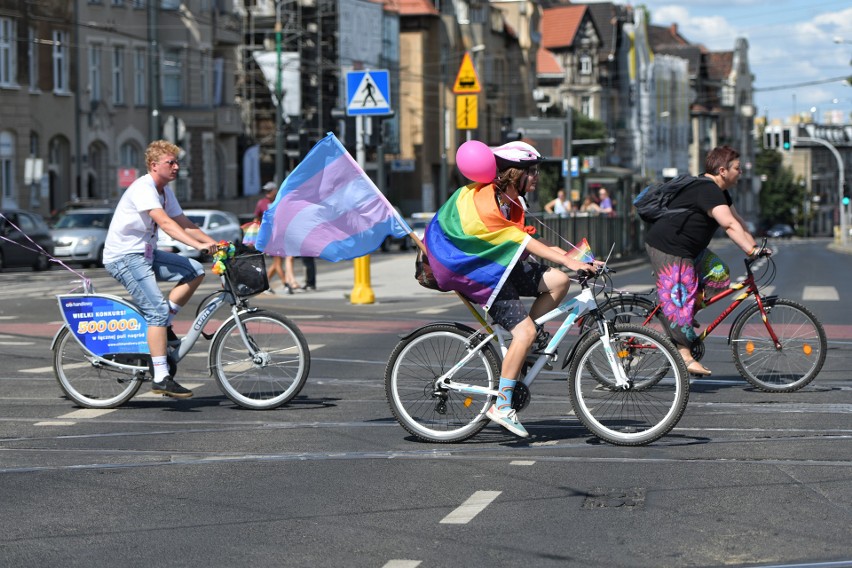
748, 288
118, 315
573, 308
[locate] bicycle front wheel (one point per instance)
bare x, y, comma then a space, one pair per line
269, 374
91, 383
433, 413
779, 369
652, 402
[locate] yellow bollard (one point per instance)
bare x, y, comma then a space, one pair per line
362, 293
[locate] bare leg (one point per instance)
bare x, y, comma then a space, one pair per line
277, 268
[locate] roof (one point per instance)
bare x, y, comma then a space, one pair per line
546, 63
559, 25
719, 64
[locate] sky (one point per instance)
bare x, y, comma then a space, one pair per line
796, 61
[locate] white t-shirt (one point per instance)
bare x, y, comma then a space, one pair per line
132, 227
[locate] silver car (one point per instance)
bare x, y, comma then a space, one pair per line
79, 234
220, 225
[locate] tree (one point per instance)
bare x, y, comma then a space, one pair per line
780, 196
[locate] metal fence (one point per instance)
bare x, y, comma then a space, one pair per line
624, 233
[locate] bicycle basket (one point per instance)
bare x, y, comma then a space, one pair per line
247, 274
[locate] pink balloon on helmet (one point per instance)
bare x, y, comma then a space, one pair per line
476, 161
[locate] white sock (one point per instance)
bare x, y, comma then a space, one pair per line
173, 310
161, 368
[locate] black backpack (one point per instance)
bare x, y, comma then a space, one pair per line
652, 203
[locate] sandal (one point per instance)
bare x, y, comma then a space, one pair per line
696, 368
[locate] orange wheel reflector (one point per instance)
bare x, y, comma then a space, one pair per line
807, 349
622, 354
468, 401
750, 347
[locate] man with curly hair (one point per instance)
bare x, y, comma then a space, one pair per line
132, 258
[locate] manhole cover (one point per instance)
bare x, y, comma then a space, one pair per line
602, 498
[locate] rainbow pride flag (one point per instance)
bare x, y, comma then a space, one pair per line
472, 248
328, 207
582, 252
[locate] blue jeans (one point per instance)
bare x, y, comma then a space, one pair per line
140, 278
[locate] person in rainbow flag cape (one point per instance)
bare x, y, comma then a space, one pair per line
479, 246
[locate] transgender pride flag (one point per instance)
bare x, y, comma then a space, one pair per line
328, 207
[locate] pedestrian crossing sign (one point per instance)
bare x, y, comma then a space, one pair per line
368, 93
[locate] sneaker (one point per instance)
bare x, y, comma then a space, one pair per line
169, 387
508, 420
171, 338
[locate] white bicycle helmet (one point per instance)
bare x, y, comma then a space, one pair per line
516, 154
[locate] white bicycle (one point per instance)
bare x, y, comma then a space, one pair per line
627, 383
260, 359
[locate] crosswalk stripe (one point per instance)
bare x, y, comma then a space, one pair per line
474, 505
820, 294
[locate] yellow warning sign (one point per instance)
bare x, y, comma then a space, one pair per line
466, 112
466, 81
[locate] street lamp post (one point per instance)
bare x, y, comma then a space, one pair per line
844, 230
279, 111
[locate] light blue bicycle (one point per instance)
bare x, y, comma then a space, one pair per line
627, 383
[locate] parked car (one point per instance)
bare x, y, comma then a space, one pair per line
780, 231
12, 246
220, 225
419, 221
79, 235
404, 243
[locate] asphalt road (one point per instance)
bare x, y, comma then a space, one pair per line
745, 479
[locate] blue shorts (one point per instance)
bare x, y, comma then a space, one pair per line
140, 278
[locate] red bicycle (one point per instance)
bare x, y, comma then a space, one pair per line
778, 344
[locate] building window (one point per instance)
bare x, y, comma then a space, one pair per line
60, 62
129, 156
95, 72
32, 56
586, 106
118, 75
172, 77
7, 171
204, 78
169, 4
139, 82
585, 65
137, 3
8, 52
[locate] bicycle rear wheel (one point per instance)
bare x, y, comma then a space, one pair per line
91, 383
653, 402
277, 370
628, 308
800, 357
439, 414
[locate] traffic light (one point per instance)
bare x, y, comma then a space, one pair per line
785, 139
845, 200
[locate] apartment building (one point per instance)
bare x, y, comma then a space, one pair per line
92, 82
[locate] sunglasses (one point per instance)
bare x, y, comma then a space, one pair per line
171, 163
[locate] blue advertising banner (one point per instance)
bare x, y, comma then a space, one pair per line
105, 324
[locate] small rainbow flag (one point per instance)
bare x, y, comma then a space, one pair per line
472, 248
582, 252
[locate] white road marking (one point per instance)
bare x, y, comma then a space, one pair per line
522, 462
475, 504
54, 423
820, 294
84, 413
432, 311
402, 564
13, 343
8, 317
